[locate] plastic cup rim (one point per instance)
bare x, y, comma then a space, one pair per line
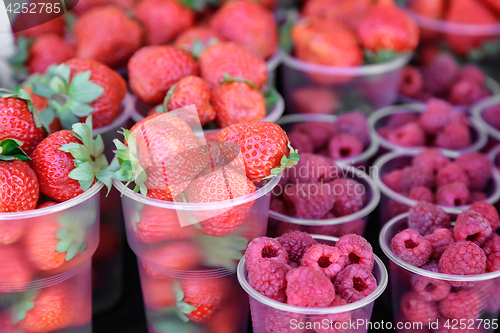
274, 61
382, 284
477, 113
128, 108
440, 276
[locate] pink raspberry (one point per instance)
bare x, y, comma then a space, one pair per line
310, 201
282, 322
354, 283
354, 123
409, 135
344, 146
400, 119
409, 327
440, 239
301, 142
425, 218
466, 92
440, 74
489, 212
264, 247
393, 180
354, 227
414, 176
318, 132
464, 304
285, 228
356, 250
430, 289
454, 136
453, 195
450, 174
473, 227
277, 205
324, 258
385, 131
431, 158
473, 73
492, 116
416, 309
491, 249
411, 247
431, 266
421, 194
437, 115
349, 196
411, 82
478, 167
463, 258
308, 287
328, 323
477, 196
268, 277
296, 244
329, 230
312, 168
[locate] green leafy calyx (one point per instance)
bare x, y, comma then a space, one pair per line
20, 93
286, 162
10, 150
18, 60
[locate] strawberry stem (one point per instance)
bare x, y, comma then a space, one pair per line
286, 162
18, 60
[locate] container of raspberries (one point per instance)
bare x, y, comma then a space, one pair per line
335, 205
444, 274
300, 283
487, 114
410, 127
468, 28
436, 177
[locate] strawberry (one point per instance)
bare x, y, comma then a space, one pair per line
153, 70
388, 29
495, 4
163, 20
248, 24
157, 293
429, 8
229, 58
182, 255
41, 103
107, 35
20, 188
315, 100
16, 271
350, 12
199, 299
265, 148
83, 6
56, 26
187, 38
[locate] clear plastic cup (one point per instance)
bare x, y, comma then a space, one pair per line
393, 203
414, 288
339, 226
477, 113
380, 118
289, 121
366, 88
266, 312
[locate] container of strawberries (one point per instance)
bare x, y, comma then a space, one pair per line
444, 275
487, 113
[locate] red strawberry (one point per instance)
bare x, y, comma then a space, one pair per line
182, 255
85, 5
56, 26
201, 298
41, 242
163, 20
495, 4
429, 8
107, 35
187, 38
315, 100
153, 70
157, 293
228, 58
48, 49
16, 272
248, 24
350, 12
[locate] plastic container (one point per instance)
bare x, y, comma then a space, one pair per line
408, 283
380, 118
477, 113
366, 88
289, 121
339, 226
266, 311
31, 264
393, 204
272, 66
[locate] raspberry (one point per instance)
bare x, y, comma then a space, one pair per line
277, 205
478, 167
464, 304
355, 282
437, 115
323, 258
309, 288
385, 131
349, 196
418, 310
354, 123
477, 196
492, 301
318, 132
328, 323
400, 119
454, 136
286, 228
329, 229
416, 177
491, 249
301, 142
473, 73
264, 247
430, 289
312, 168
421, 194
492, 116
440, 239
393, 180
489, 212
283, 322
409, 135
296, 244
411, 247
473, 227
311, 201
440, 74
344, 146
450, 174
356, 250
431, 158
466, 92
463, 258
354, 227
431, 266
453, 195
268, 277
394, 208
411, 82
